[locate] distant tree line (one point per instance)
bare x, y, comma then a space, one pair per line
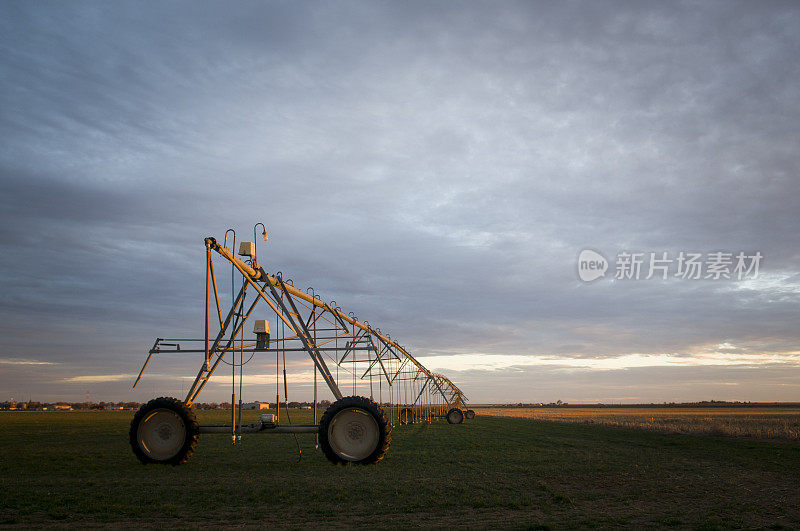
702, 403
32, 405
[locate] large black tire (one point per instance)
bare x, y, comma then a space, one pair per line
470, 414
164, 431
407, 416
455, 416
354, 429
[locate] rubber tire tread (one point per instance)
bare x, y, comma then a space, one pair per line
470, 414
368, 405
449, 421
189, 420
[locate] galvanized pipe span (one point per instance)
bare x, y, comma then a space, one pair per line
394, 389
260, 274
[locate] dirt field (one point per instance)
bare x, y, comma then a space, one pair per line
782, 423
77, 470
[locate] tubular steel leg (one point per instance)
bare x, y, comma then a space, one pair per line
201, 380
304, 335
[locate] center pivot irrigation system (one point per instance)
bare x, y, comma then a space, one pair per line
386, 384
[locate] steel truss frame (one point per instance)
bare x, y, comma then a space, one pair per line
356, 351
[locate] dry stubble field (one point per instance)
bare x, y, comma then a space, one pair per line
768, 422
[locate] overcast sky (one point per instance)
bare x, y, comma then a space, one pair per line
434, 167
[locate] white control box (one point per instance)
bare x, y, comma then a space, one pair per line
247, 249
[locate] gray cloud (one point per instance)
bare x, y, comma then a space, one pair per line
434, 168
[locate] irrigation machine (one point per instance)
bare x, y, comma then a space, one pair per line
385, 384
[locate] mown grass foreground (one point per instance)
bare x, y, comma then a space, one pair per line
77, 469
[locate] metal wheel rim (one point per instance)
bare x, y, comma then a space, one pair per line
353, 434
455, 415
161, 434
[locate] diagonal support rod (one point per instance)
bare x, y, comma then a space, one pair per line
200, 380
305, 338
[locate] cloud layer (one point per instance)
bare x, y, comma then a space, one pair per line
435, 168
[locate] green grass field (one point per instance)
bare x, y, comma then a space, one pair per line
77, 469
